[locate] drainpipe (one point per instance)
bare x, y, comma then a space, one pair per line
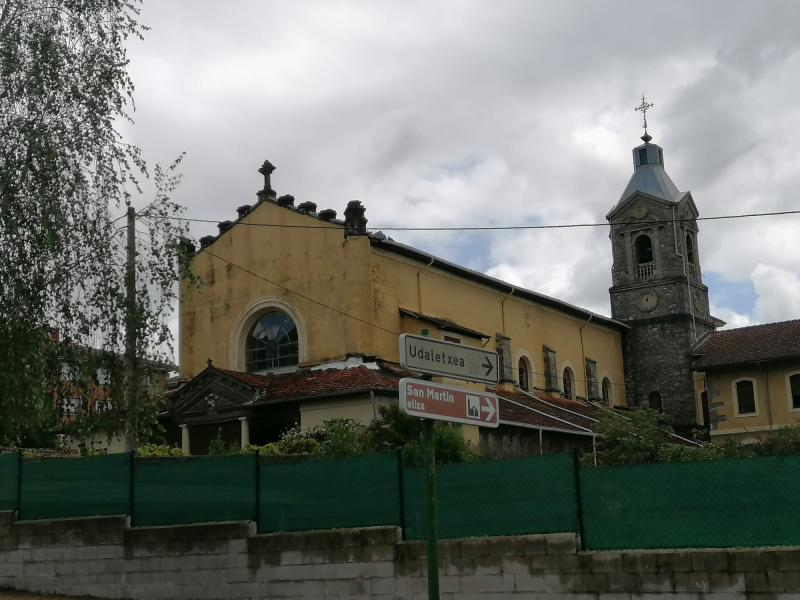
766, 389
583, 356
541, 449
374, 405
503, 307
419, 284
685, 274
594, 448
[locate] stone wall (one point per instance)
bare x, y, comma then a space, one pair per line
104, 557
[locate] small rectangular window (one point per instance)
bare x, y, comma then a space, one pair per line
794, 388
449, 338
643, 156
746, 397
661, 157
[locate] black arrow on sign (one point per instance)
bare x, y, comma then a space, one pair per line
489, 366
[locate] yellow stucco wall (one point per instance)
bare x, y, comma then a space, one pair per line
773, 400
318, 264
370, 284
401, 282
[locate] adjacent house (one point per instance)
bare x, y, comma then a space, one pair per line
749, 379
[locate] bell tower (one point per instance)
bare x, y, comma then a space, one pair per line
657, 287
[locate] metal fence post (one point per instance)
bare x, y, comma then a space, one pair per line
131, 484
576, 468
19, 485
257, 511
402, 495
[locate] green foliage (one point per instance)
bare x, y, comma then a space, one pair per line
65, 176
636, 440
159, 450
645, 438
392, 431
218, 447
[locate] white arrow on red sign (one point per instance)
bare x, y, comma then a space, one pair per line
440, 402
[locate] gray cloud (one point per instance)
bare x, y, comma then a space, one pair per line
475, 113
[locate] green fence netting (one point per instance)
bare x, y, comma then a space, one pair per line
330, 493
75, 487
9, 472
710, 504
201, 489
502, 497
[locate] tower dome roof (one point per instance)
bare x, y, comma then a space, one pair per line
649, 176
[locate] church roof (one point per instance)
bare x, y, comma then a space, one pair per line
756, 343
654, 181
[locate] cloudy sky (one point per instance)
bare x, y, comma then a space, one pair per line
501, 112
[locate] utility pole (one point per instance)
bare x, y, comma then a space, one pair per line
131, 319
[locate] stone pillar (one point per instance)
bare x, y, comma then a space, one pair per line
185, 439
245, 432
503, 347
592, 389
550, 369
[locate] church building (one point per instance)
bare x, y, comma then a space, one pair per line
298, 317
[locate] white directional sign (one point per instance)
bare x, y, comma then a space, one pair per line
446, 359
447, 403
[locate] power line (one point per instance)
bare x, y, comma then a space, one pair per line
490, 228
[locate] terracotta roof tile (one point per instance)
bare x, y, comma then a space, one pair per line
772, 341
547, 411
307, 382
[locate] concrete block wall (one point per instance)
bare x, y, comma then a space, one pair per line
104, 557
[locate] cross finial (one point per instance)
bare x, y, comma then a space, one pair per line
644, 106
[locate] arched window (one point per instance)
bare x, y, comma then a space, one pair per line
689, 249
523, 375
794, 391
568, 383
606, 391
644, 249
745, 391
655, 401
272, 343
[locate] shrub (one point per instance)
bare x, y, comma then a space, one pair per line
159, 450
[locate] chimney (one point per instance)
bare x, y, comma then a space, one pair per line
187, 245
266, 170
355, 223
243, 210
224, 226
307, 207
206, 241
286, 200
327, 215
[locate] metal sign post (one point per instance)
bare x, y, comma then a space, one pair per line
434, 401
432, 547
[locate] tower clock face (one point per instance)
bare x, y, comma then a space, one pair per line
648, 301
698, 301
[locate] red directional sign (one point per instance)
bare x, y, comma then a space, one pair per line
447, 403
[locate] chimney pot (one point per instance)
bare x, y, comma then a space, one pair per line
224, 226
327, 215
243, 210
206, 241
307, 207
355, 223
286, 200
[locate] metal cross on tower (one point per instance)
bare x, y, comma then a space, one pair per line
643, 107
